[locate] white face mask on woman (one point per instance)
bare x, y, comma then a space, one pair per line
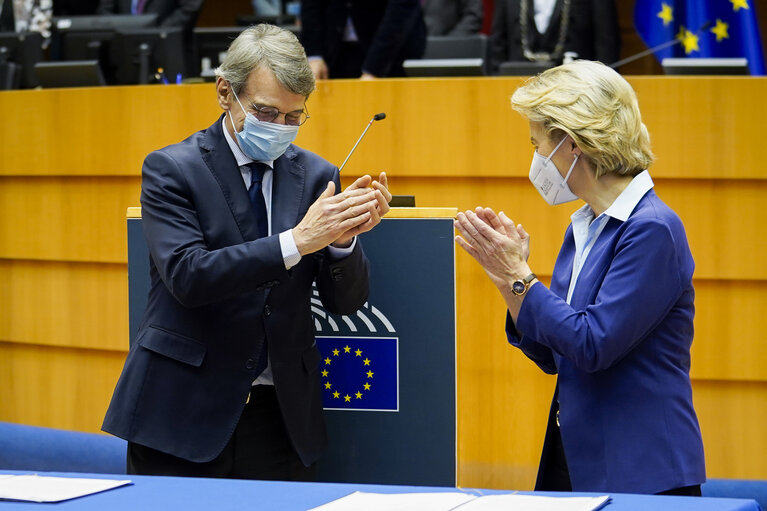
547, 179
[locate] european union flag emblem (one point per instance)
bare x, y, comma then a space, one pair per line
359, 373
704, 29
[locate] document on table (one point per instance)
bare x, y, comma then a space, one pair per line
397, 502
449, 501
34, 488
535, 503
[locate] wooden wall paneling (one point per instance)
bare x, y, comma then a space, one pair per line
59, 387
97, 131
699, 127
503, 398
422, 132
729, 329
66, 218
77, 305
720, 215
696, 126
732, 417
724, 219
693, 123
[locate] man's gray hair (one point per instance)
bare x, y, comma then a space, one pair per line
270, 47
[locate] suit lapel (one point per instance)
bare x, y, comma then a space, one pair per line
220, 160
287, 191
288, 182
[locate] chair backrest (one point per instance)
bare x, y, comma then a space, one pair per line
35, 448
451, 56
456, 47
737, 489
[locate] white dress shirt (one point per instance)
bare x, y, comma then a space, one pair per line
543, 11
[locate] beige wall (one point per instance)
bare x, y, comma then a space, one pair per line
70, 166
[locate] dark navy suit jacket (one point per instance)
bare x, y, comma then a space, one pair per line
217, 292
389, 31
622, 351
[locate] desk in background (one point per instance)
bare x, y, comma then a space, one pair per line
193, 494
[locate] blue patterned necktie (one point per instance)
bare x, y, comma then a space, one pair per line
262, 221
257, 197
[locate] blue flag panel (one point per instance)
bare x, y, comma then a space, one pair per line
359, 373
704, 29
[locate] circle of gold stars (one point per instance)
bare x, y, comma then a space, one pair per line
690, 39
326, 374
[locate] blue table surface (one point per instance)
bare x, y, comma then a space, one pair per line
191, 494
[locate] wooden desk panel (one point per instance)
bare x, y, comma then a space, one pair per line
700, 127
83, 218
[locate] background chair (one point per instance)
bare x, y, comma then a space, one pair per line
737, 489
451, 56
34, 448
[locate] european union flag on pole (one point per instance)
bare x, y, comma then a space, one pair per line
704, 28
359, 373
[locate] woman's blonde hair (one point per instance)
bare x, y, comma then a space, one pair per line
595, 106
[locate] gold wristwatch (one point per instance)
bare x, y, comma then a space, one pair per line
520, 287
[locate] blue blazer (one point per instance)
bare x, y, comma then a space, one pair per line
216, 293
622, 353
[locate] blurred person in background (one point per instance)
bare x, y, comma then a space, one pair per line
545, 30
453, 17
27, 16
170, 13
361, 38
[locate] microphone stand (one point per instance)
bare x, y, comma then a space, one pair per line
655, 49
376, 117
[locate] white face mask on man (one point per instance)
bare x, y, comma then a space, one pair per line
261, 140
547, 179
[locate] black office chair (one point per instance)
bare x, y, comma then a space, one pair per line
451, 56
9, 71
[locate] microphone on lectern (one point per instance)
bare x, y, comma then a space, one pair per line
376, 117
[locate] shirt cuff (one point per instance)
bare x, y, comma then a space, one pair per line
290, 254
340, 253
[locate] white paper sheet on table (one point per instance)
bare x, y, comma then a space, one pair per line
535, 503
449, 501
397, 502
34, 488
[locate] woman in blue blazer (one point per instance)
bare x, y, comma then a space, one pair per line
617, 323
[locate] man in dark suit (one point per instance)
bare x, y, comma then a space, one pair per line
453, 17
361, 38
587, 28
239, 224
170, 13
